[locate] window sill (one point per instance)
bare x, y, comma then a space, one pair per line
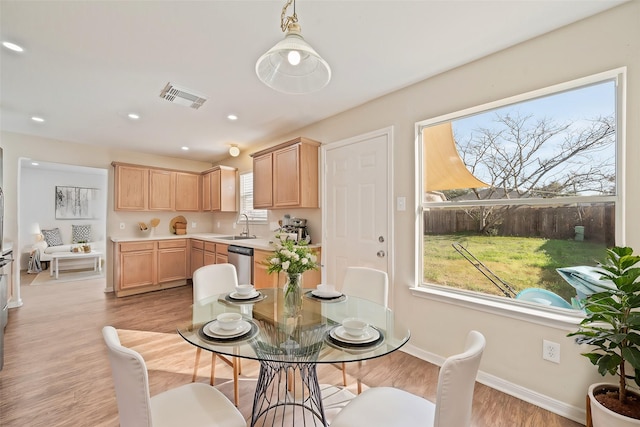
558, 318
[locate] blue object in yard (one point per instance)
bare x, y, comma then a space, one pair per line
585, 279
544, 297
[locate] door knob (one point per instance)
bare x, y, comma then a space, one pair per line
380, 254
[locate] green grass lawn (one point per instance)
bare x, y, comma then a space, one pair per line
522, 262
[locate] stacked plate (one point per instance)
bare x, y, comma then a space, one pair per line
328, 295
371, 335
239, 297
213, 330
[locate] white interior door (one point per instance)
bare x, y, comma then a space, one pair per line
356, 207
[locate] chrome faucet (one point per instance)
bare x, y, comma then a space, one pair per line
245, 232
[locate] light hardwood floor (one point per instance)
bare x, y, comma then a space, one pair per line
56, 371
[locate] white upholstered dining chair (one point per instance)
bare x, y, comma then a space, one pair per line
193, 404
208, 281
367, 283
392, 407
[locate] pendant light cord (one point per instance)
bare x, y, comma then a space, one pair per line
285, 21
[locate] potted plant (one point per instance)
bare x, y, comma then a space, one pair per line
292, 258
612, 326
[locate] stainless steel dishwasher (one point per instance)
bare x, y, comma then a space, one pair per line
242, 259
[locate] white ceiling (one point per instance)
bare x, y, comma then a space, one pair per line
87, 64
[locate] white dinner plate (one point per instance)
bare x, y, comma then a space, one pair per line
326, 294
236, 295
213, 330
370, 335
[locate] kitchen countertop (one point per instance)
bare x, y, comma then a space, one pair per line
264, 244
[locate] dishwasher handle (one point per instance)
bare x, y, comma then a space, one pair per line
240, 250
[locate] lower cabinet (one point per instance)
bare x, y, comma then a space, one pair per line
150, 265
222, 253
210, 253
173, 260
137, 267
262, 279
197, 255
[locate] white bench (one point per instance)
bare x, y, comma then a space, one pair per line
57, 256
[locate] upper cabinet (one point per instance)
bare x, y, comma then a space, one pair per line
286, 175
143, 188
219, 189
131, 187
162, 190
188, 191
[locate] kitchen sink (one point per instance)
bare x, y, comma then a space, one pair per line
237, 237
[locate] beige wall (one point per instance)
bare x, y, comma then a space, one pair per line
513, 356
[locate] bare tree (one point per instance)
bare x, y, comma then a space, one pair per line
523, 157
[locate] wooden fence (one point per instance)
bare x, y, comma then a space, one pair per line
530, 221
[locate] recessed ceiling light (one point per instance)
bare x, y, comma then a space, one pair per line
37, 119
12, 46
232, 117
185, 148
35, 164
133, 116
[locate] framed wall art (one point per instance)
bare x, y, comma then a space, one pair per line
75, 202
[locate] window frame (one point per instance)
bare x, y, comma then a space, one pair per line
550, 316
263, 218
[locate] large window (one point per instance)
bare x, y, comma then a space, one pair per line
512, 191
246, 201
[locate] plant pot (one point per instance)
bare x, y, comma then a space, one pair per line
293, 295
604, 417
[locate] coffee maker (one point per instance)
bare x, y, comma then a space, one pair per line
297, 229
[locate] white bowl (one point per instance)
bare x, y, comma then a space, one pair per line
244, 290
326, 289
229, 321
354, 327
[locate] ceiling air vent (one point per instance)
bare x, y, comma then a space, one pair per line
182, 96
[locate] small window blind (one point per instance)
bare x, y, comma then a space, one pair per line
246, 200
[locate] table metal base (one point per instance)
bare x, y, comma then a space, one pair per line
287, 391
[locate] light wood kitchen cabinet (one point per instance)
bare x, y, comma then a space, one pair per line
173, 260
150, 265
144, 188
162, 190
209, 253
291, 168
197, 255
262, 279
219, 189
187, 192
222, 256
136, 267
263, 181
131, 185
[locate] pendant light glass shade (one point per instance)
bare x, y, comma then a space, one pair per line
292, 66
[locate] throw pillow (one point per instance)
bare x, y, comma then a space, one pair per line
52, 237
80, 233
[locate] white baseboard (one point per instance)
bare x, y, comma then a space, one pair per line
553, 405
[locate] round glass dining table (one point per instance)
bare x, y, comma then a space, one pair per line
289, 339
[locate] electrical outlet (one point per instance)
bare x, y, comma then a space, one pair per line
193, 224
551, 351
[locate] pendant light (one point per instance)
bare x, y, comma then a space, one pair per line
292, 66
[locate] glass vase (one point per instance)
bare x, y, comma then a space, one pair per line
293, 294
